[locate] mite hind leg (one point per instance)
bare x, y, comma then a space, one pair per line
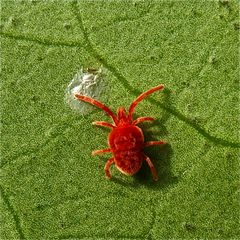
107, 167
152, 168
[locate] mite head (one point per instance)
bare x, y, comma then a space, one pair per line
122, 116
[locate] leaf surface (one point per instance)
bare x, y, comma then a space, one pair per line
52, 187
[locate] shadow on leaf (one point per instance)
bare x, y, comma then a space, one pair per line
161, 158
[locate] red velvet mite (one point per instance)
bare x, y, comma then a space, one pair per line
126, 140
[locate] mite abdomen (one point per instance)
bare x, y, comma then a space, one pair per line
128, 161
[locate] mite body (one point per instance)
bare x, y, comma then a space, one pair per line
126, 140
127, 144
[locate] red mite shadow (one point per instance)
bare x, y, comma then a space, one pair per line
160, 155
161, 158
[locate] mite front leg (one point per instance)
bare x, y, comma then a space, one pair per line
152, 168
142, 119
141, 97
152, 143
96, 152
107, 167
103, 124
97, 104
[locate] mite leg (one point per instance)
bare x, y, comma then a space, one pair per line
142, 119
96, 152
152, 143
141, 97
152, 168
107, 167
103, 124
97, 104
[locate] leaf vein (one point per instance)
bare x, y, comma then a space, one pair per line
46, 42
13, 213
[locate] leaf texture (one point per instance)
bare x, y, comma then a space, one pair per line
52, 187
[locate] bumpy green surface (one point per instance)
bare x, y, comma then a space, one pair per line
51, 185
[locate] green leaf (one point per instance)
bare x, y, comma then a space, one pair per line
51, 185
